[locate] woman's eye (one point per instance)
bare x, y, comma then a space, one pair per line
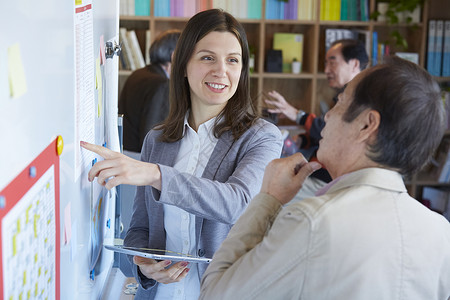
234, 60
207, 58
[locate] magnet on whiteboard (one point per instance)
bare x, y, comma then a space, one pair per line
111, 49
32, 172
59, 145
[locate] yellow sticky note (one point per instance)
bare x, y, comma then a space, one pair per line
16, 72
78, 2
14, 244
99, 86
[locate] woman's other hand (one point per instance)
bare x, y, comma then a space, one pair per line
160, 271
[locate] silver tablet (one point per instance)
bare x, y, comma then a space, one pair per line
157, 254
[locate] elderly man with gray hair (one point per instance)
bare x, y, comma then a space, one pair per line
362, 236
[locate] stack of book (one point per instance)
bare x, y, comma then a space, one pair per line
330, 10
243, 9
438, 48
344, 10
134, 7
131, 57
291, 9
382, 50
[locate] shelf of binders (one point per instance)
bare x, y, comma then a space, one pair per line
438, 39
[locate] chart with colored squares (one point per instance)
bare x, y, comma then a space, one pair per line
29, 212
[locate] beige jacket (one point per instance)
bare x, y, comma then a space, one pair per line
366, 238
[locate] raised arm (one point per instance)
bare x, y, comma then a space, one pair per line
251, 260
278, 104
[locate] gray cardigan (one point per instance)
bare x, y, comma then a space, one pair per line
232, 177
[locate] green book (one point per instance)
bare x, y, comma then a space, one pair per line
344, 10
254, 9
291, 45
141, 8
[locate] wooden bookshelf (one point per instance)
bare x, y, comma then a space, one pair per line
307, 89
304, 90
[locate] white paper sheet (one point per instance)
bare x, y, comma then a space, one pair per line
84, 85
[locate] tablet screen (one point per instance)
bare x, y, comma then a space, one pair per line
157, 254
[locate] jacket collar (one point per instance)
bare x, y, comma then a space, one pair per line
376, 177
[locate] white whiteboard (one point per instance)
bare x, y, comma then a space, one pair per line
44, 33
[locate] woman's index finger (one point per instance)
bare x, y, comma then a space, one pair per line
100, 150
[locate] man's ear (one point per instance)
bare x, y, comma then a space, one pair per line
356, 66
370, 122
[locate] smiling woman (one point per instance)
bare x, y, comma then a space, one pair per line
202, 165
239, 113
213, 74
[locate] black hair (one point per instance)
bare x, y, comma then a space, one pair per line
353, 49
163, 46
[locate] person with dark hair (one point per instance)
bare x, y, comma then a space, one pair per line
144, 100
201, 167
343, 61
362, 236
